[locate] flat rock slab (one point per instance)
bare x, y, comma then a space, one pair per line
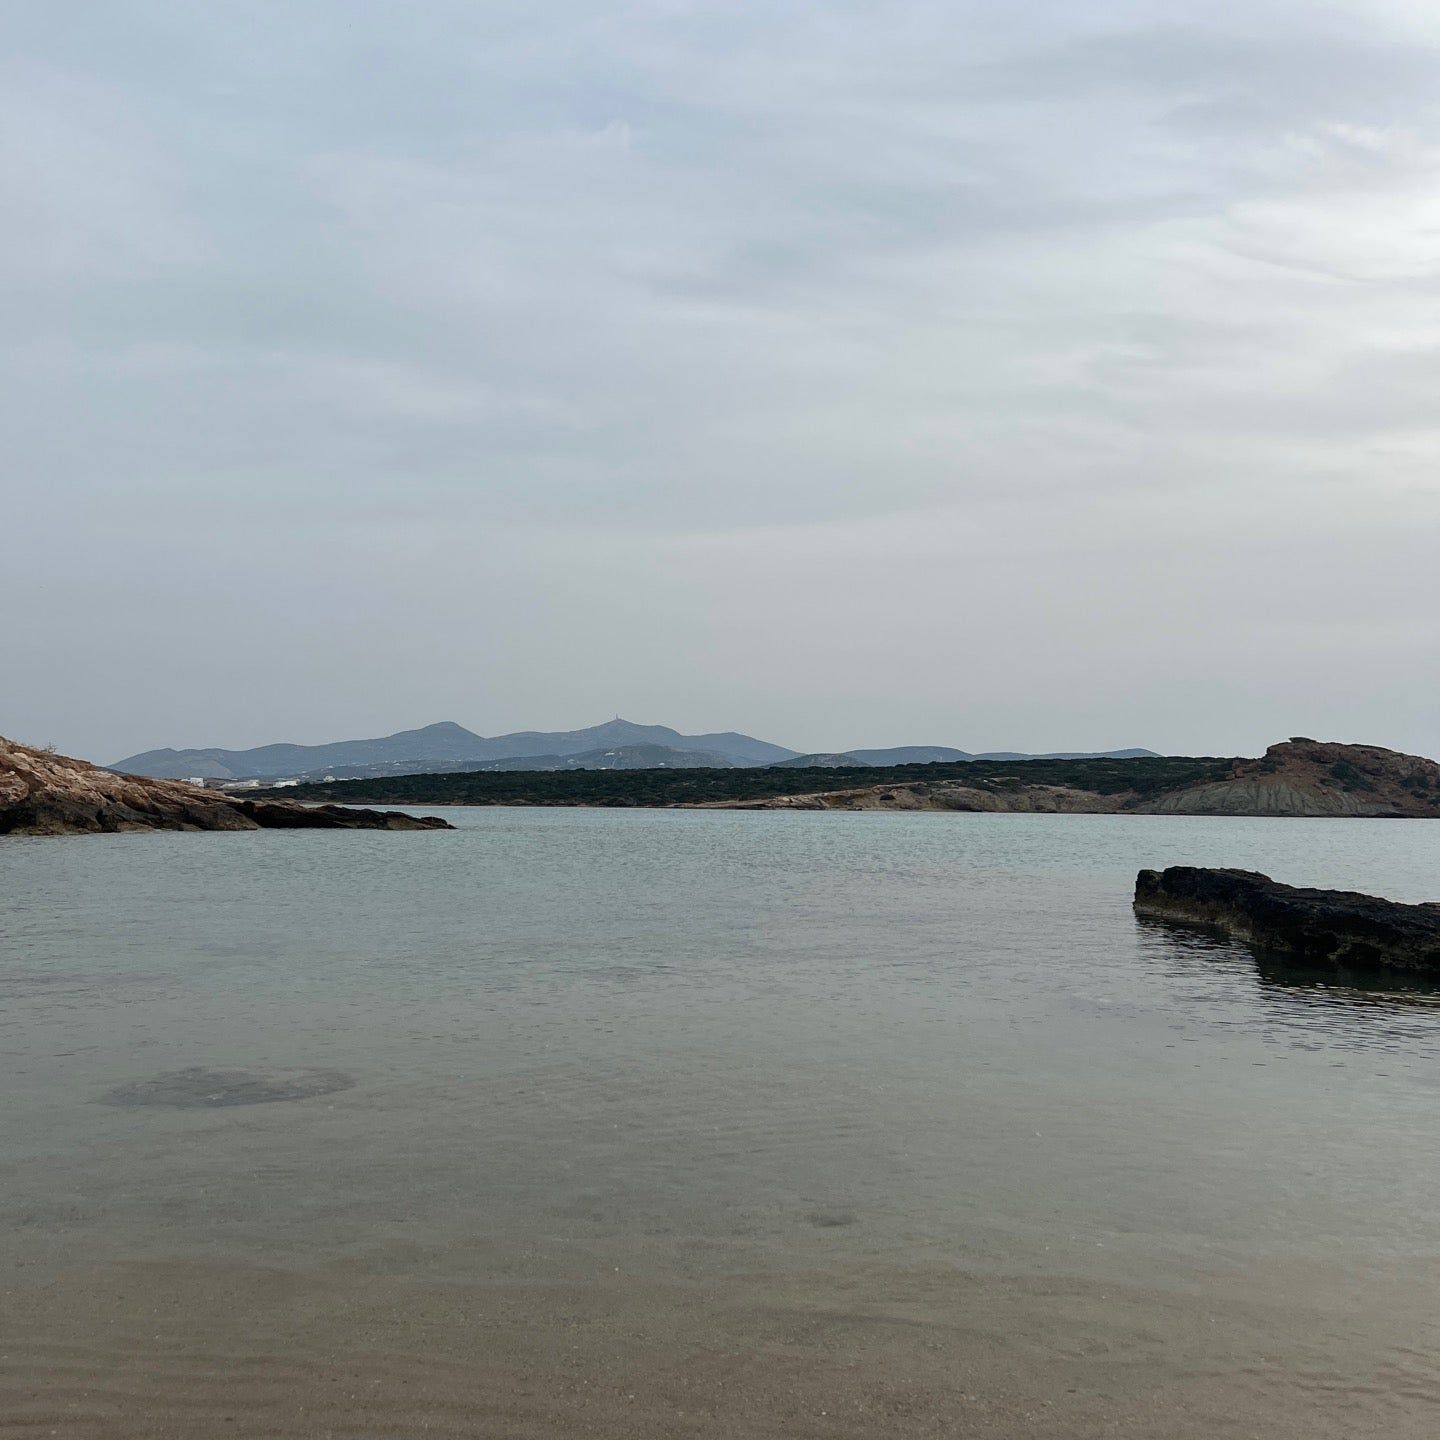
199, 1089
1326, 927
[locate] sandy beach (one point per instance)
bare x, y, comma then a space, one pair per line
190, 1349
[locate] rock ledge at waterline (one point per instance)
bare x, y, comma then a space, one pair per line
1318, 927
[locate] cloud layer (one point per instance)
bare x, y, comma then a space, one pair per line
1038, 376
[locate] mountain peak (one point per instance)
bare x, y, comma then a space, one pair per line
441, 746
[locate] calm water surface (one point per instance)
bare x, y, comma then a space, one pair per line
702, 1044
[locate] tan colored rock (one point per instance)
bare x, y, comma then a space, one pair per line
1316, 778
1022, 799
42, 793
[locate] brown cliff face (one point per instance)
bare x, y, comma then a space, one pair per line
1314, 777
46, 794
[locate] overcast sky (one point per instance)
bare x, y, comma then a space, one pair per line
1032, 376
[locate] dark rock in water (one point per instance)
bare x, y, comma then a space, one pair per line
1324, 927
286, 815
201, 1089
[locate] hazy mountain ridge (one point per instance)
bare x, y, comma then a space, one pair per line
436, 748
620, 757
908, 755
944, 755
445, 742
447, 747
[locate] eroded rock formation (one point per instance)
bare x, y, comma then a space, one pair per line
46, 794
1315, 777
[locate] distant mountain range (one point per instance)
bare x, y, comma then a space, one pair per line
938, 754
621, 757
446, 747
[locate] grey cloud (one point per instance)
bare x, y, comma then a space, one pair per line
870, 372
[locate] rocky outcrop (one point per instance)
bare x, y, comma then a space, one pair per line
46, 794
1318, 778
1295, 778
1321, 927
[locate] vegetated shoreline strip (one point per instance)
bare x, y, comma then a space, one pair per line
1140, 778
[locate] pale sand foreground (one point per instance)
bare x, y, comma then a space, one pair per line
195, 1349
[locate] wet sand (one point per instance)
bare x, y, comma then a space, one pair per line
195, 1349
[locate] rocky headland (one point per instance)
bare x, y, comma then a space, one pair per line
42, 793
1335, 928
1298, 777
1313, 777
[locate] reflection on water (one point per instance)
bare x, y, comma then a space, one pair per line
1345, 986
1325, 1005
